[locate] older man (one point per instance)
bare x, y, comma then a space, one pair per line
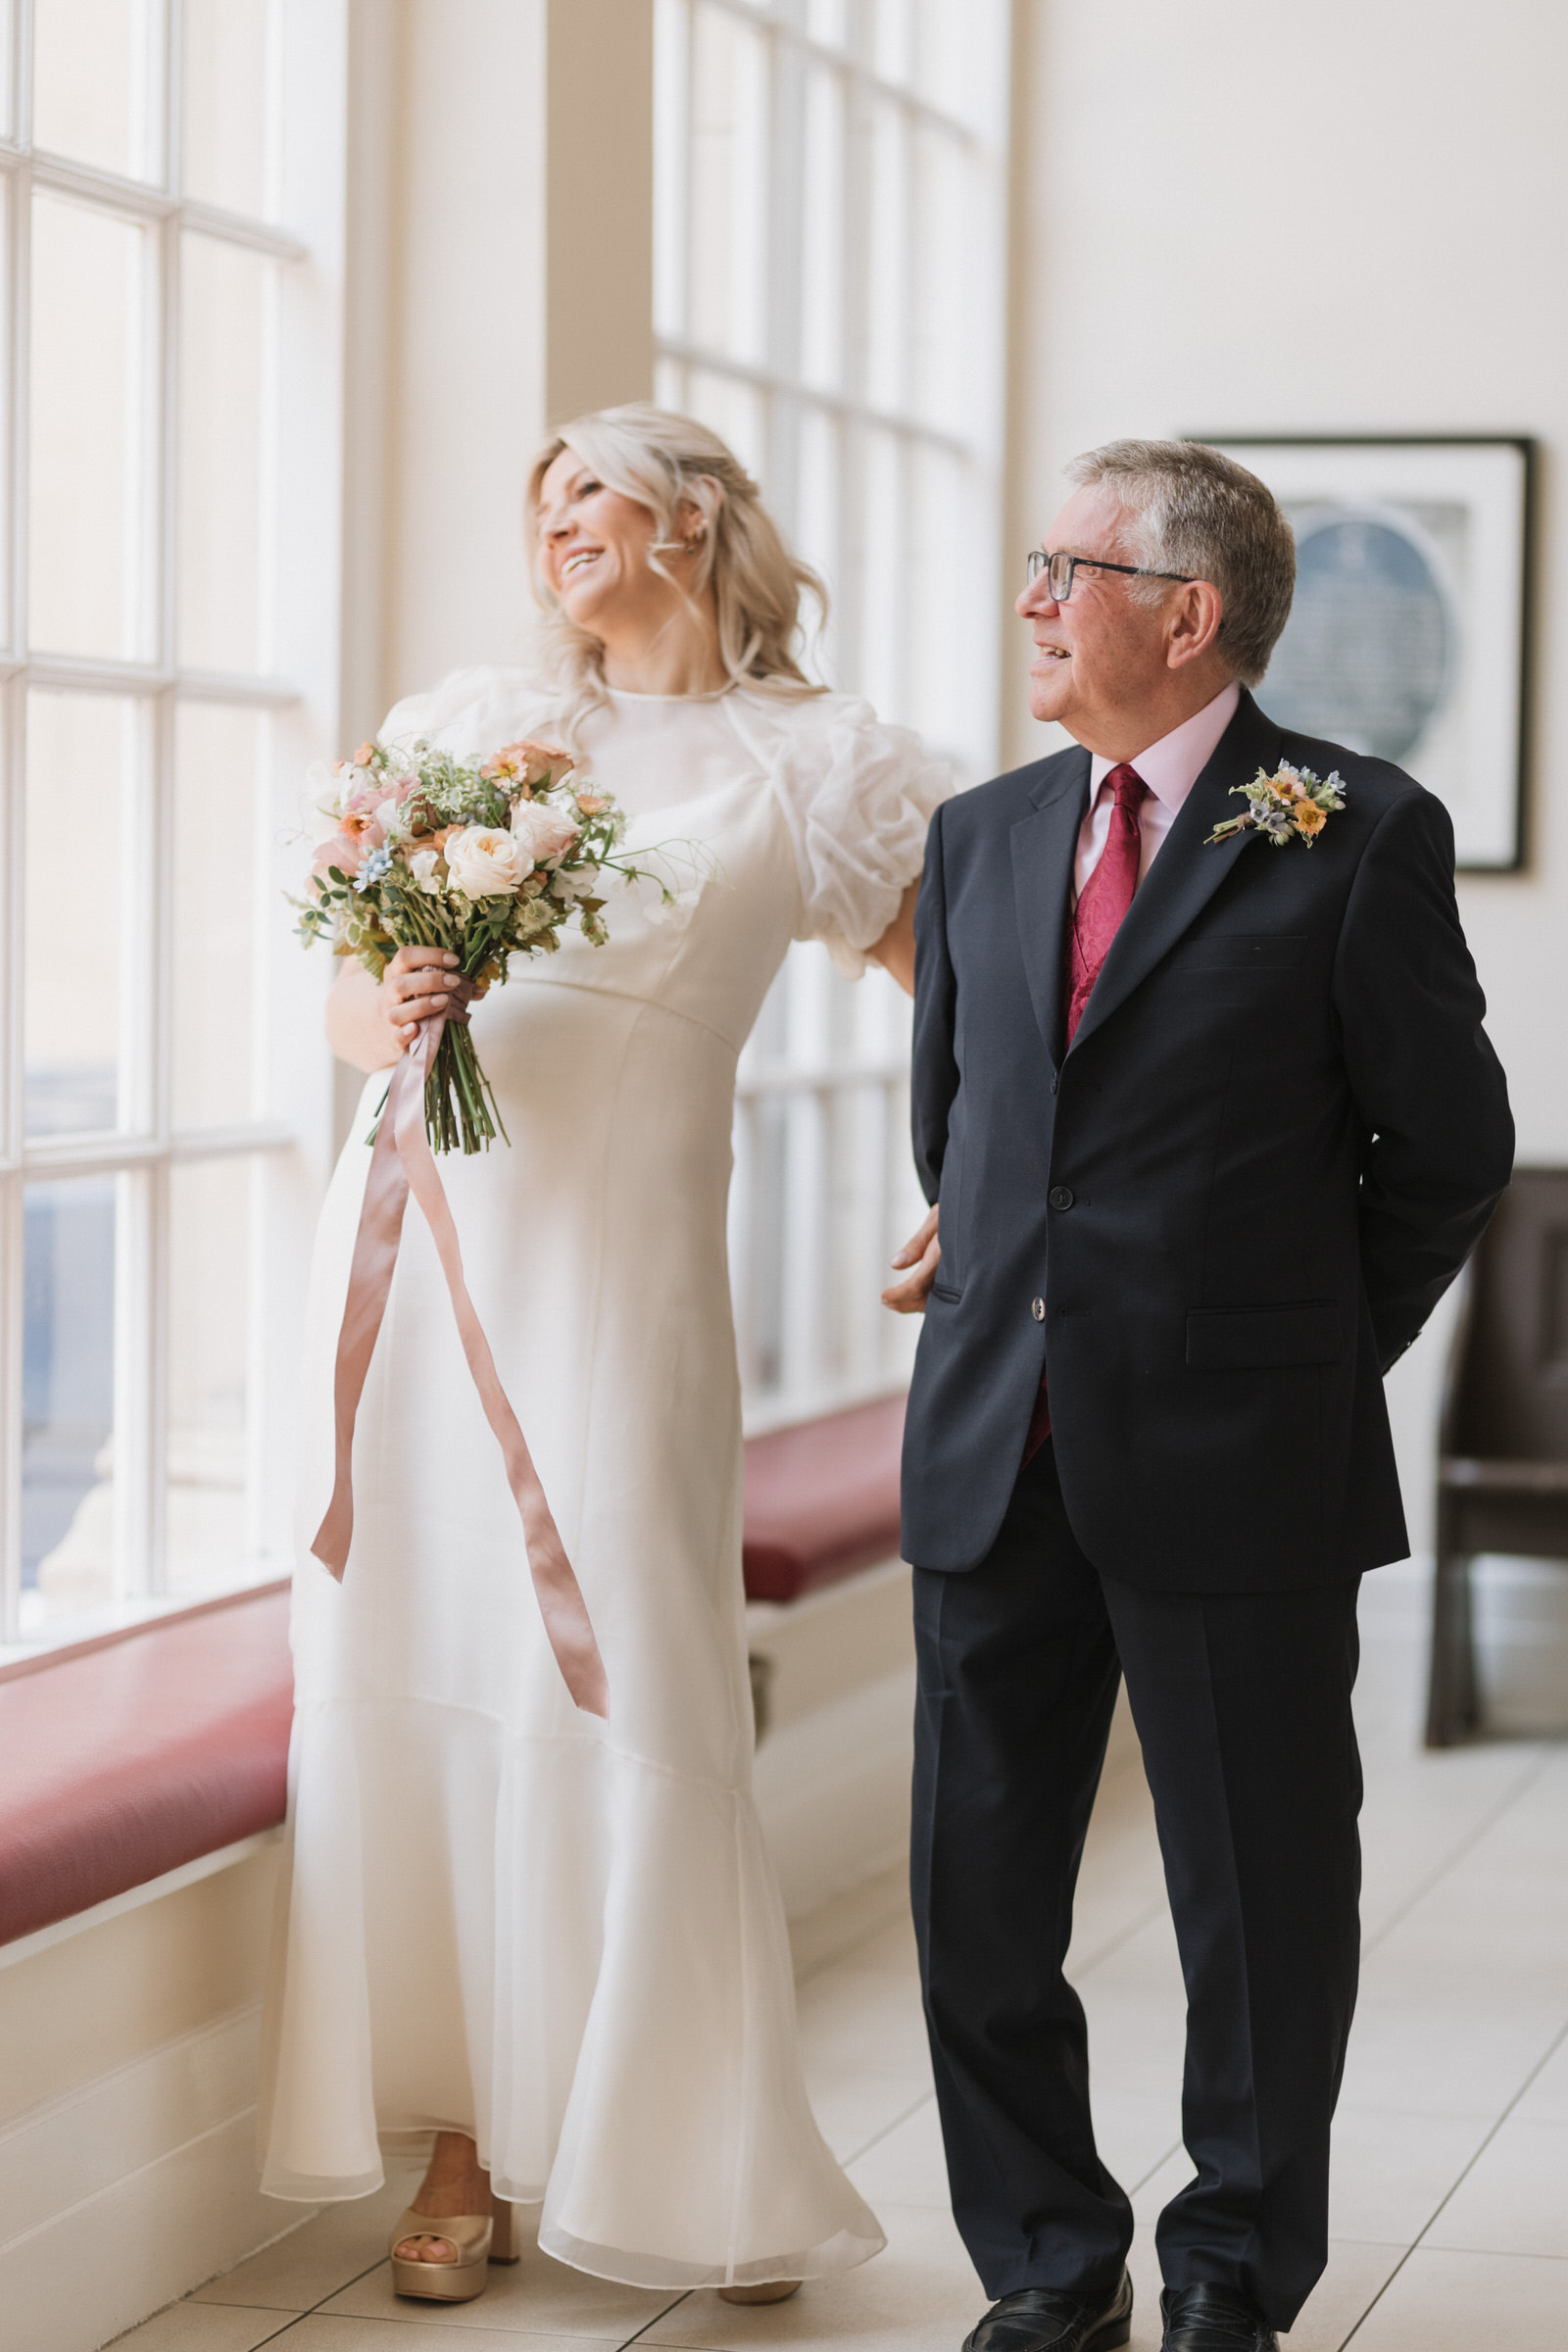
1212, 1122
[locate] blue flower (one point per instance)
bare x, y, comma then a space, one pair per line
375, 866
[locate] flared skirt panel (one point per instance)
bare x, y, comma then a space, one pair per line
575, 1958
504, 1917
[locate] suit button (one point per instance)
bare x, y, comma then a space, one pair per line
1037, 1307
1060, 1195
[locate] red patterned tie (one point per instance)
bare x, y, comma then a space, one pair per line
1097, 918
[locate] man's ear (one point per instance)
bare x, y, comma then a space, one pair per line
1197, 618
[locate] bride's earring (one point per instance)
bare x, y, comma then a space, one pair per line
681, 547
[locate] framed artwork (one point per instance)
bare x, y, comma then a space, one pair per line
1408, 634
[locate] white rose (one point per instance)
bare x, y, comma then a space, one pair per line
484, 862
541, 832
421, 865
324, 799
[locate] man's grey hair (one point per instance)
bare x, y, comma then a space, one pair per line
1190, 510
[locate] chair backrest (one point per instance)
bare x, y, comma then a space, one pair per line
1510, 1394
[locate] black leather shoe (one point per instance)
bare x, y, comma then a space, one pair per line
1048, 2319
1213, 2319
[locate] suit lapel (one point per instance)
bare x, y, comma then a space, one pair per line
1186, 874
1043, 849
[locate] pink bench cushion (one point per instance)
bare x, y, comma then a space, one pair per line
124, 1762
148, 1750
822, 1499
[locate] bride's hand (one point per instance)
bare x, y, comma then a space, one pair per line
923, 1252
416, 986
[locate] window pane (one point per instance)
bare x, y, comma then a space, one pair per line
209, 1327
671, 24
79, 749
6, 525
828, 21
670, 386
887, 307
91, 84
960, 63
217, 764
728, 283
86, 541
733, 410
893, 38
884, 582
226, 306
941, 595
819, 518
67, 1401
943, 364
822, 241
223, 134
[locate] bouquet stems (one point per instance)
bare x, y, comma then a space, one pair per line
459, 1106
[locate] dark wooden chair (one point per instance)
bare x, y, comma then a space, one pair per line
1502, 1467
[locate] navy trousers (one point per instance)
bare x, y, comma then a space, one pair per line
1241, 1703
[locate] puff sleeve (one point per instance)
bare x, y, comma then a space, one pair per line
858, 797
472, 712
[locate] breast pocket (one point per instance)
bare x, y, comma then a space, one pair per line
1263, 1339
1235, 951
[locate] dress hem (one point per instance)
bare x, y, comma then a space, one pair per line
844, 2252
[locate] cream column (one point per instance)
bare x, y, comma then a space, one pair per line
599, 206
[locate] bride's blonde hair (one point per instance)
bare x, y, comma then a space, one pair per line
663, 461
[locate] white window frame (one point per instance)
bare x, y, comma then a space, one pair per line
823, 1087
286, 1140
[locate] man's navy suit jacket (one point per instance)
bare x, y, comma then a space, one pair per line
1224, 1213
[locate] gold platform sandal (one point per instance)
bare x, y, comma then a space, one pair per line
480, 2239
773, 2291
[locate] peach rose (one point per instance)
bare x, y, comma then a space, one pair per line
542, 833
484, 862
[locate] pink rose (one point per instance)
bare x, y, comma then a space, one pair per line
528, 763
344, 851
541, 832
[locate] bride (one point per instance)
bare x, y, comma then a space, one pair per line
554, 1941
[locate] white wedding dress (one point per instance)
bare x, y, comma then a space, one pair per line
504, 1917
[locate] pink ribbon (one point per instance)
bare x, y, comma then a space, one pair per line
399, 1162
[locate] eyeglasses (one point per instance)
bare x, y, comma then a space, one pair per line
1059, 568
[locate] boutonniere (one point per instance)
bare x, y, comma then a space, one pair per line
1291, 804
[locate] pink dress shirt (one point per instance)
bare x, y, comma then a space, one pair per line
1170, 769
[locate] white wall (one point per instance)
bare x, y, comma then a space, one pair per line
1343, 218
501, 281
447, 375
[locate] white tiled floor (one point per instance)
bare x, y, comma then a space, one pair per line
1451, 2188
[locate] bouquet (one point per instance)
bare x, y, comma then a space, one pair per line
488, 862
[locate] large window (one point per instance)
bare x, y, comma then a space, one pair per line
829, 271
167, 635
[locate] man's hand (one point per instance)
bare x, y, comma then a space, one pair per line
923, 1252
